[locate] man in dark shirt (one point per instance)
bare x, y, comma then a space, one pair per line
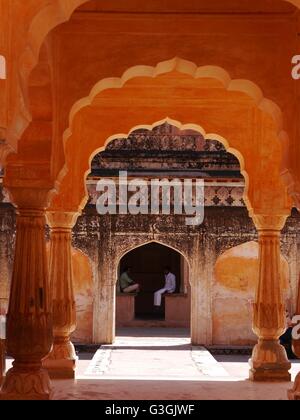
126, 284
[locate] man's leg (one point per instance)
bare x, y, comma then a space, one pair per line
157, 297
131, 289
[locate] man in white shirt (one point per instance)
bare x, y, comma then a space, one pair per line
170, 286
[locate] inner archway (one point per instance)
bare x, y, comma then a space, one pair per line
163, 153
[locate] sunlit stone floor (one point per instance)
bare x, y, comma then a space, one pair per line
162, 365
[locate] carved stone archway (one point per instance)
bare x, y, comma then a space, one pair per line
250, 128
239, 102
105, 294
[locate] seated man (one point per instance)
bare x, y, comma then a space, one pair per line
126, 284
286, 339
170, 286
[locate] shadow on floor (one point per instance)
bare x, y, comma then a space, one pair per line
153, 332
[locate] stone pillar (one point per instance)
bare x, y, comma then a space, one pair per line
269, 360
29, 321
201, 273
294, 394
104, 325
61, 362
198, 334
184, 268
105, 312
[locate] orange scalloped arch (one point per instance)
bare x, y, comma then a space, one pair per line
181, 68
54, 13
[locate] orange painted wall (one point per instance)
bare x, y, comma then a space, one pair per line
236, 278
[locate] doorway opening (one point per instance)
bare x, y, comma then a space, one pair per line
147, 264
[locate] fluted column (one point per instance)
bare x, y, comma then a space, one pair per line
29, 319
269, 360
61, 362
294, 394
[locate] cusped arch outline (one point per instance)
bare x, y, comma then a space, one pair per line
180, 66
129, 249
55, 197
53, 14
132, 248
189, 68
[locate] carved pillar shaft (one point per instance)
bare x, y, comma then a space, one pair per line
29, 320
61, 362
269, 360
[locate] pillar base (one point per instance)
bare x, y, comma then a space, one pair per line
269, 363
26, 384
61, 369
61, 362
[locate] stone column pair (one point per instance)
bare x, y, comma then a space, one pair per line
30, 323
35, 314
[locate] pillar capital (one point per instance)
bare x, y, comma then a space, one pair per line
267, 222
61, 219
29, 198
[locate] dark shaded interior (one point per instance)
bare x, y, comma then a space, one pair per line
147, 264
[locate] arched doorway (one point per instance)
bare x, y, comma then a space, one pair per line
147, 264
165, 152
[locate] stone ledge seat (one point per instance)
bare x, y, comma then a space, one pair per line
177, 310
